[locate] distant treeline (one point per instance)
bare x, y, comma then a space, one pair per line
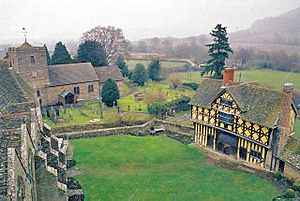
277, 60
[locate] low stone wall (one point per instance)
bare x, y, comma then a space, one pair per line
169, 126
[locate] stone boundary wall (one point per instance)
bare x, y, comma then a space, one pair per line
169, 126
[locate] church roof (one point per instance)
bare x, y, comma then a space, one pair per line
106, 72
64, 74
258, 104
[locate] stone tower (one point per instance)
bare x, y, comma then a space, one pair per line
31, 63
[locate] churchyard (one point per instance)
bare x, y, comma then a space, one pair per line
159, 168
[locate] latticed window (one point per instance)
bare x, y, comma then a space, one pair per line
76, 90
226, 117
226, 102
255, 154
90, 88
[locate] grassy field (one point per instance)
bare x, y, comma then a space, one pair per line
164, 64
158, 168
297, 129
270, 78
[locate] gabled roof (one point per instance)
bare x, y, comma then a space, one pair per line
207, 92
258, 104
106, 72
64, 74
25, 46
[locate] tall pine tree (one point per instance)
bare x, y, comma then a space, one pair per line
47, 55
91, 51
218, 51
154, 70
60, 55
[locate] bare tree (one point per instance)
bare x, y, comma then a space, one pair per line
111, 39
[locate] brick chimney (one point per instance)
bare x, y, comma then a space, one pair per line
228, 75
285, 116
287, 99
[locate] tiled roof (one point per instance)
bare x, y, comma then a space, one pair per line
15, 93
64, 74
258, 104
106, 72
291, 153
207, 92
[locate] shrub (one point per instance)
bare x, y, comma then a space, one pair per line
278, 175
71, 163
72, 183
180, 104
296, 186
157, 109
289, 193
192, 85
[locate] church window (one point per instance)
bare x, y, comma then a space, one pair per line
32, 60
226, 102
226, 118
34, 74
255, 154
90, 88
38, 93
76, 90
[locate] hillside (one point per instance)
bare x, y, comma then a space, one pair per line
283, 29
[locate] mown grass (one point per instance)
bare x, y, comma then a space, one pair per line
164, 64
158, 168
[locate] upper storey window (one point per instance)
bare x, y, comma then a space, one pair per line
32, 60
226, 118
226, 102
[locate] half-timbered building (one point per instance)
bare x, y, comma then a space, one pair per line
245, 120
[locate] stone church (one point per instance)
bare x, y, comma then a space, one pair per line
60, 84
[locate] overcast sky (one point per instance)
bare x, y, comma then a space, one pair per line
67, 19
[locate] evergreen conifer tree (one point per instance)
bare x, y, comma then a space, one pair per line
154, 70
218, 51
120, 62
139, 74
91, 51
47, 55
110, 92
60, 55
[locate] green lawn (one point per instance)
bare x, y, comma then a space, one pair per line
269, 78
158, 168
297, 129
164, 64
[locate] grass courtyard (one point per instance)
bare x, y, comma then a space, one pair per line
159, 168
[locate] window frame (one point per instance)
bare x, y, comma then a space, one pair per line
226, 118
32, 60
